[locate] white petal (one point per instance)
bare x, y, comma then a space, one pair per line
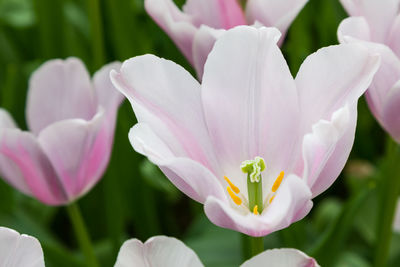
284, 257
189, 176
332, 77
6, 121
167, 98
274, 13
292, 203
175, 23
250, 101
19, 250
59, 90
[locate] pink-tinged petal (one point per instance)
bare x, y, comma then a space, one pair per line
79, 150
283, 257
24, 165
385, 78
274, 13
131, 253
379, 14
333, 77
167, 98
396, 222
250, 100
327, 147
218, 14
187, 175
391, 112
19, 250
175, 23
6, 121
356, 27
393, 40
107, 95
157, 251
59, 90
292, 198
203, 43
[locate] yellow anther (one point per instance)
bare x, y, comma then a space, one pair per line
255, 210
272, 198
278, 182
234, 187
234, 197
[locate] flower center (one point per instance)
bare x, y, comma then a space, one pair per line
255, 203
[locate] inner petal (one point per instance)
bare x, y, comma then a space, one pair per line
219, 14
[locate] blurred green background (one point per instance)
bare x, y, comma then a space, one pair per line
134, 199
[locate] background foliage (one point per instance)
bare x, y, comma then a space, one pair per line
134, 199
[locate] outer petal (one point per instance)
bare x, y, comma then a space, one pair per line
79, 151
250, 100
19, 250
379, 14
276, 13
393, 40
219, 14
108, 96
356, 27
385, 78
292, 200
24, 165
157, 251
131, 254
203, 43
326, 149
59, 90
167, 98
176, 24
396, 222
283, 257
189, 176
332, 77
391, 112
6, 121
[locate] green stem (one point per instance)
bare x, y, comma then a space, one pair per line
390, 188
82, 235
251, 246
96, 31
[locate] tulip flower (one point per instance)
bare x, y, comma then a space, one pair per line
251, 143
167, 251
19, 250
195, 28
71, 121
376, 25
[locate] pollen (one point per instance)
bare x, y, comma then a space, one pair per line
234, 187
234, 197
255, 210
278, 182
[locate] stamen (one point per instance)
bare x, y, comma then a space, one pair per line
234, 187
255, 210
272, 198
278, 182
235, 198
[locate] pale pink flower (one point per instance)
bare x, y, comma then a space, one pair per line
376, 25
298, 131
71, 121
195, 28
19, 250
162, 251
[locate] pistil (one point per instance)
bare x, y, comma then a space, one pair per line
253, 168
